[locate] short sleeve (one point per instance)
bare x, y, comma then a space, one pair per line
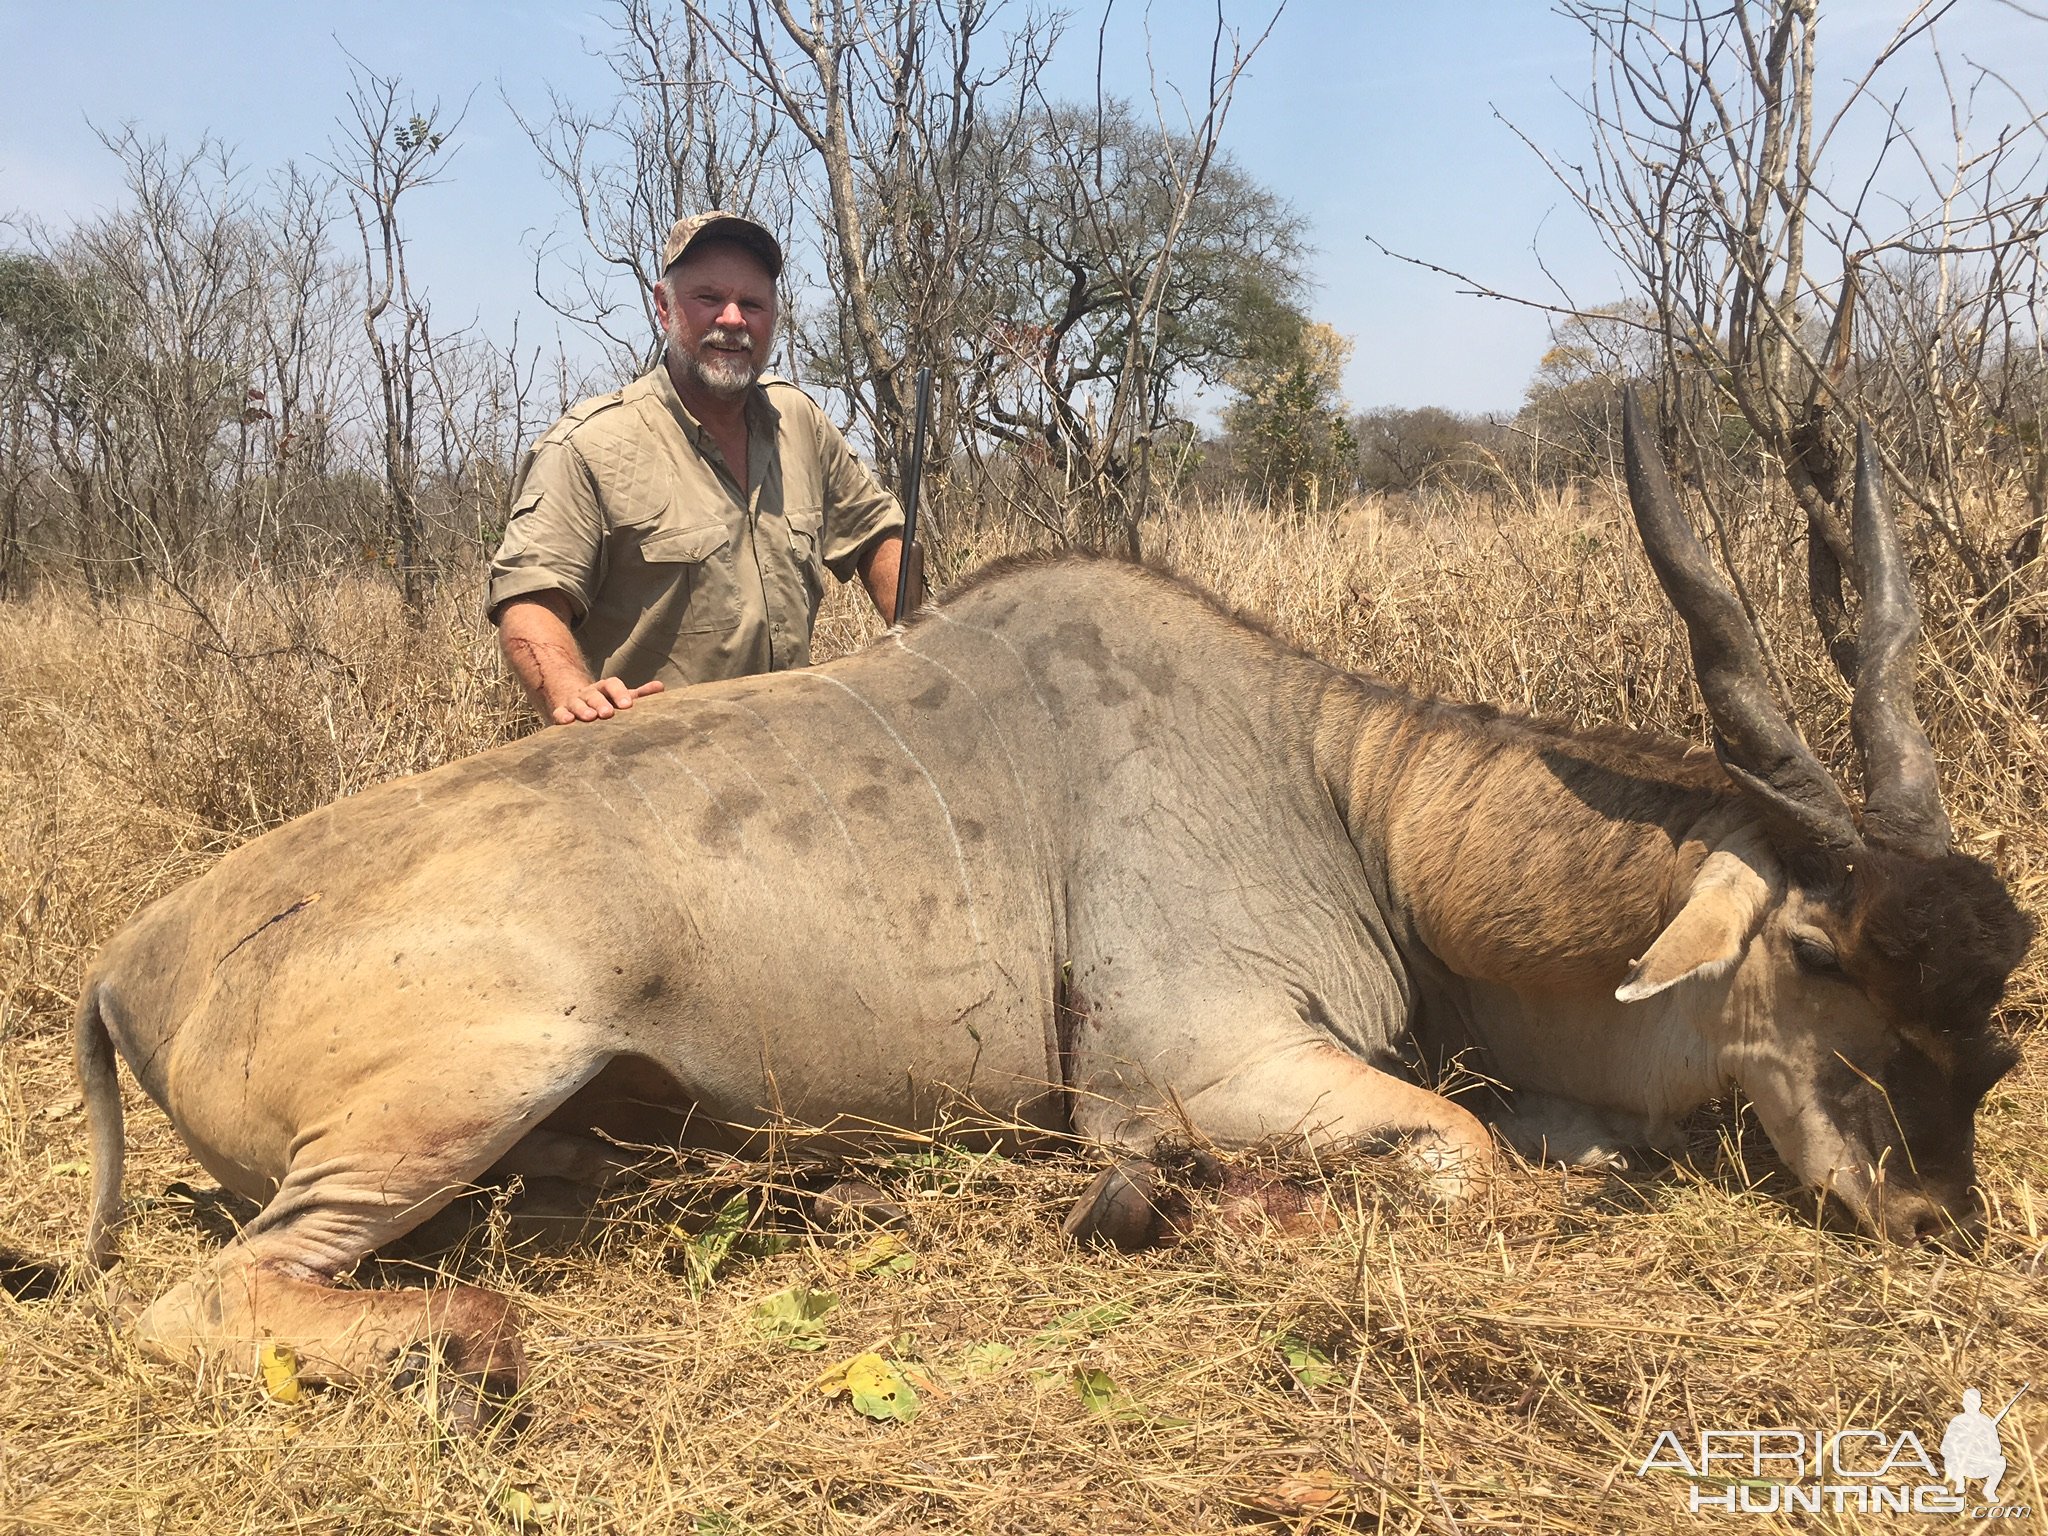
555, 533
858, 512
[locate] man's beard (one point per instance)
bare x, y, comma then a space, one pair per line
728, 375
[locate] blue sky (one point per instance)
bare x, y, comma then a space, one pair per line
1375, 119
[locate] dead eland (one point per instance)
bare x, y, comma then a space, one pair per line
1076, 850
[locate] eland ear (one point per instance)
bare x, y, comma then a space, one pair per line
1707, 937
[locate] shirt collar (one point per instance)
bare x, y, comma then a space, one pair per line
761, 415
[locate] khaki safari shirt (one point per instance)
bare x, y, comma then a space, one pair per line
673, 571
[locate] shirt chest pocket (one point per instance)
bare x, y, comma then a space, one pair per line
687, 572
806, 548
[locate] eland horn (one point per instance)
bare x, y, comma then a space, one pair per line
1754, 740
1901, 792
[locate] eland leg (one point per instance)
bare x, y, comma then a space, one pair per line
1321, 1094
352, 1186
1546, 1129
1256, 1088
275, 1282
1121, 1208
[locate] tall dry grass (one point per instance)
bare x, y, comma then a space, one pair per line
1505, 1370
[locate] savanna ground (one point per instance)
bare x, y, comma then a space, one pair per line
1504, 1369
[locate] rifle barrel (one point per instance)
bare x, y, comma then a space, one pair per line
912, 483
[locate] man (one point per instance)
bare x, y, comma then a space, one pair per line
678, 530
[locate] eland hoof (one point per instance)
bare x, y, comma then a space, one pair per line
1120, 1208
464, 1391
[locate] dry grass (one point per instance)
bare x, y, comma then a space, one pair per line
1501, 1370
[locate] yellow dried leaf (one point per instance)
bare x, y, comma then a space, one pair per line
1300, 1493
279, 1365
526, 1511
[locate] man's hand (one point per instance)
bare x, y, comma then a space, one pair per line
534, 631
600, 700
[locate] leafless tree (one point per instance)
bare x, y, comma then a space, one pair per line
1187, 154
135, 346
680, 137
295, 421
34, 336
907, 111
200, 383
1799, 286
391, 147
180, 270
940, 164
483, 415
203, 375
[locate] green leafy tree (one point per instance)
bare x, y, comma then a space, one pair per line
1094, 200
39, 329
1288, 423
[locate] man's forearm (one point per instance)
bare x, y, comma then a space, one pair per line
879, 568
534, 634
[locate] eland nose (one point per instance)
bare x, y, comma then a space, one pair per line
1926, 1222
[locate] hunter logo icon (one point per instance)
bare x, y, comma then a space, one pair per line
1969, 1446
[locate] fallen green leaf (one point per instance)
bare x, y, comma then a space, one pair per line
988, 1359
944, 1170
795, 1317
884, 1253
1098, 1391
876, 1387
704, 1252
526, 1511
1082, 1323
1309, 1366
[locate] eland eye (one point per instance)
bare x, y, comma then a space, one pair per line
1816, 955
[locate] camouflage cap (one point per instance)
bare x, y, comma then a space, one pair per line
720, 225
